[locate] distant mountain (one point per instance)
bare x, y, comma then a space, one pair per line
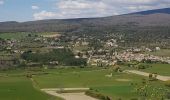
151, 18
161, 11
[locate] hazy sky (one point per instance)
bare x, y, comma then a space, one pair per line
26, 10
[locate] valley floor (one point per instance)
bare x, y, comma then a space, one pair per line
14, 85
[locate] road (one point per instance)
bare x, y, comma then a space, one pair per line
159, 77
69, 96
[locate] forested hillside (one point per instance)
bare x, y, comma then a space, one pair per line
148, 26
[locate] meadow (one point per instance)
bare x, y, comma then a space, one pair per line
17, 36
162, 69
20, 88
117, 86
16, 86
21, 35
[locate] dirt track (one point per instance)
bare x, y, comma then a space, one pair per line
69, 96
159, 77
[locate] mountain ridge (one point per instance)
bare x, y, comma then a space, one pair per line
139, 19
163, 10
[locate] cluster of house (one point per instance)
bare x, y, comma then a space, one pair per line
127, 57
111, 59
100, 57
8, 44
130, 56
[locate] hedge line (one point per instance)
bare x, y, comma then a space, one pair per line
97, 95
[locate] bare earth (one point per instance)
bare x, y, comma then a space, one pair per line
159, 77
52, 35
69, 96
123, 80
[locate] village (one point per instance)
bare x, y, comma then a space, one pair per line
98, 53
85, 50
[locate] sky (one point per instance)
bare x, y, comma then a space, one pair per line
28, 10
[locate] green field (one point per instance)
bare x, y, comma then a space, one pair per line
117, 86
20, 88
15, 86
13, 35
162, 69
118, 91
21, 35
83, 79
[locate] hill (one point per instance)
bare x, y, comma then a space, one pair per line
163, 11
158, 17
146, 26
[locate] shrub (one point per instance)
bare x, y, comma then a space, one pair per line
167, 83
153, 77
97, 95
150, 75
168, 95
143, 66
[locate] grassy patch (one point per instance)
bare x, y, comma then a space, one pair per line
118, 91
94, 79
15, 83
73, 79
162, 69
20, 88
19, 35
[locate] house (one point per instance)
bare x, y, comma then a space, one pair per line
158, 48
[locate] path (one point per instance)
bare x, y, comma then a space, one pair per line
69, 96
159, 77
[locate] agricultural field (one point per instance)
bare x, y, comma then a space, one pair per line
21, 35
16, 86
81, 78
17, 36
117, 86
20, 88
162, 69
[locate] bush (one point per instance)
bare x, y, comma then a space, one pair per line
97, 95
168, 95
167, 83
143, 66
153, 77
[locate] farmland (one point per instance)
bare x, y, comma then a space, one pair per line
21, 35
95, 79
18, 87
162, 69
